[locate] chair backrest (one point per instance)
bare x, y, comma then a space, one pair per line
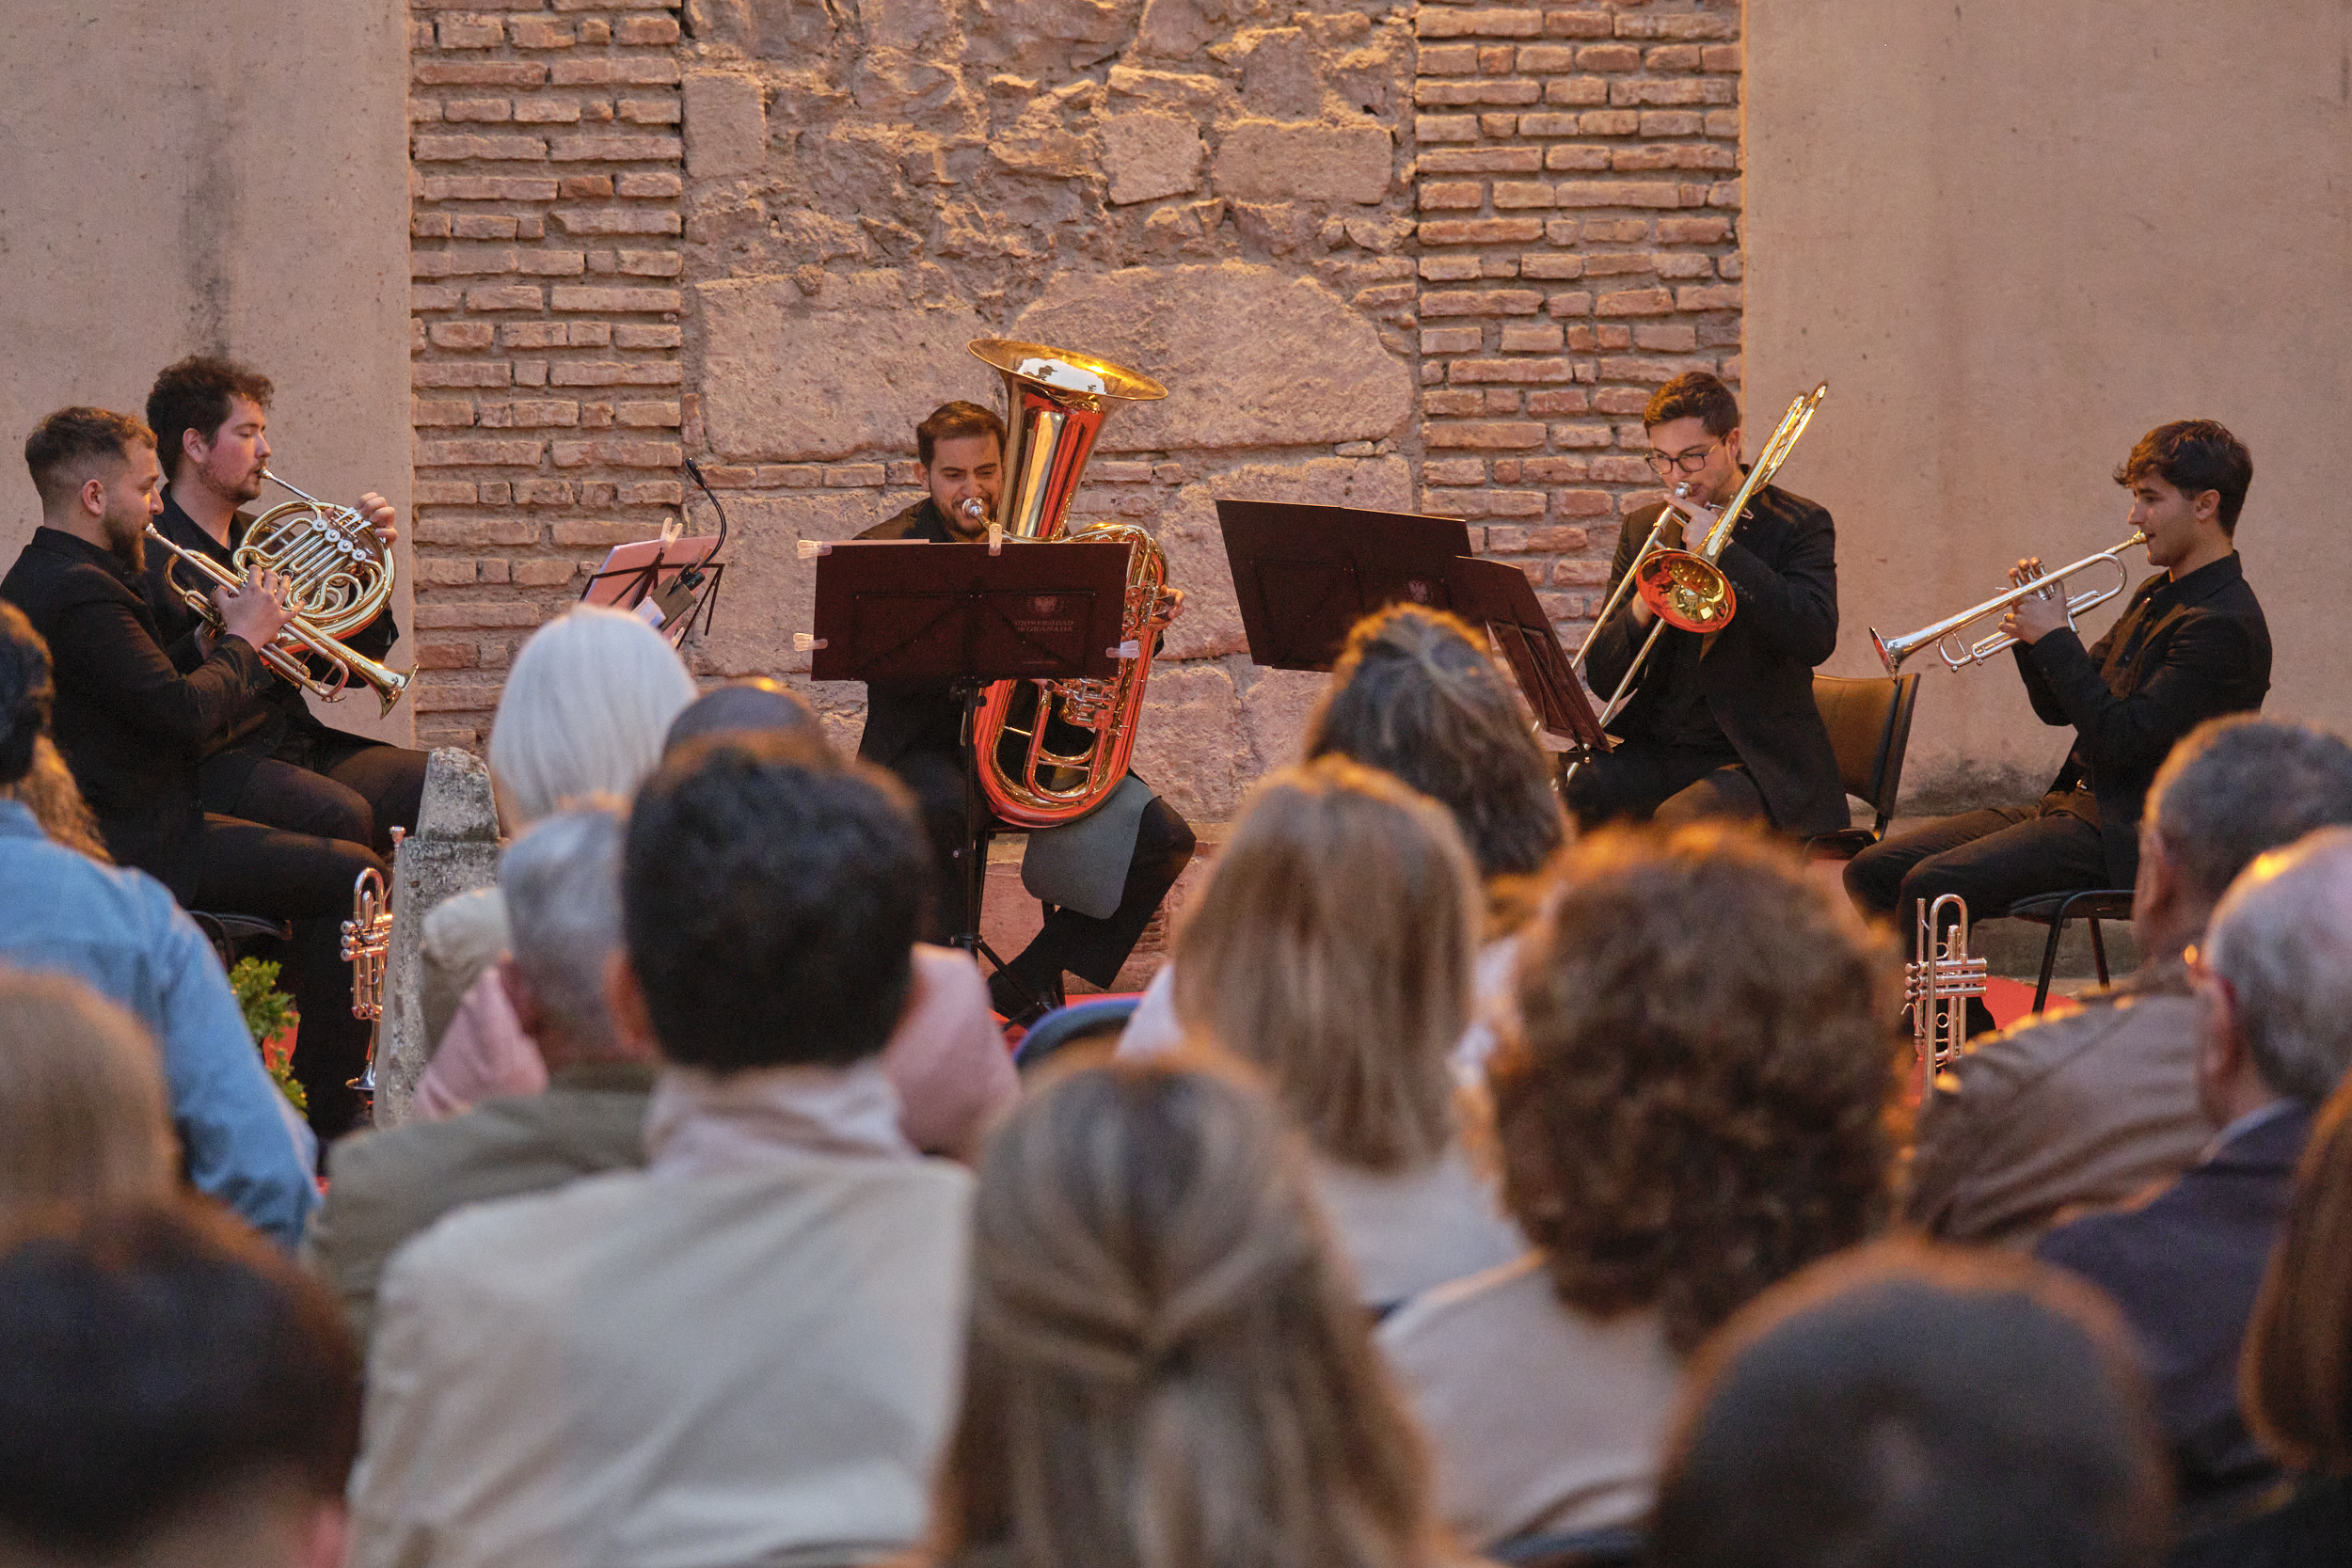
1067, 1025
1870, 728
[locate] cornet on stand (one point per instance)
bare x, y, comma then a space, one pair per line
1937, 986
1959, 654
367, 945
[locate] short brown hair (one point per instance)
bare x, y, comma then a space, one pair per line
1693, 395
952, 419
200, 393
1165, 1363
62, 447
2194, 456
2295, 1376
1693, 1101
1333, 948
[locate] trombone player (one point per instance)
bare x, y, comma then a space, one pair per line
2191, 645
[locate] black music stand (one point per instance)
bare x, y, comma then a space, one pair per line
1304, 575
913, 612
1497, 594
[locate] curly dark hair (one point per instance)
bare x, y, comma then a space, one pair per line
2194, 456
1695, 395
200, 393
1415, 695
1695, 1101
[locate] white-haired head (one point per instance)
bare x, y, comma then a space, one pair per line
584, 710
2281, 942
561, 883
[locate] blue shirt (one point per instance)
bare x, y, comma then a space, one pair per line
120, 932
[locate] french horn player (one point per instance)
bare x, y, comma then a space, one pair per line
1119, 848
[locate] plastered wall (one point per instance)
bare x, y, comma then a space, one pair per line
229, 178
2013, 236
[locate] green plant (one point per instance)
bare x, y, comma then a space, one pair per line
270, 1018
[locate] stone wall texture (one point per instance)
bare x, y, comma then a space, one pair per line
1382, 255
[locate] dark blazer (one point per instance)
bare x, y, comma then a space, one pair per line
1758, 677
901, 719
131, 719
261, 730
2186, 1267
2205, 651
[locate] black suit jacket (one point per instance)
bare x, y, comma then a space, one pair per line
901, 719
1758, 677
2185, 1268
130, 721
2181, 653
263, 729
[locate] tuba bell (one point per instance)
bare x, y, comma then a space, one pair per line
1050, 752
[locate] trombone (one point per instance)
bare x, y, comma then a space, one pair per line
1959, 654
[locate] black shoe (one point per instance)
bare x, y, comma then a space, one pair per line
1021, 998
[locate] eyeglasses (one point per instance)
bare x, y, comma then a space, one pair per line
1688, 462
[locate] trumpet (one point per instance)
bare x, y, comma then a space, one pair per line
366, 946
1937, 986
285, 651
1959, 654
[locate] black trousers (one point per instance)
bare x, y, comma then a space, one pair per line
305, 878
1089, 948
1991, 858
334, 785
1670, 785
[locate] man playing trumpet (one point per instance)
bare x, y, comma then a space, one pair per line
2192, 645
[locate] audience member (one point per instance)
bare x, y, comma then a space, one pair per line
583, 713
755, 704
1691, 1106
82, 1111
2295, 1376
1165, 1364
1332, 950
172, 1394
745, 1353
1415, 694
1915, 1407
2077, 1110
2274, 977
48, 791
120, 932
562, 882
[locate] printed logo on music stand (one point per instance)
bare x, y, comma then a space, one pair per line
1043, 605
1419, 589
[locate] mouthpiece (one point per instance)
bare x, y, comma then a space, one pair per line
973, 507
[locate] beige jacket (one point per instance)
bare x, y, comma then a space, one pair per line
2066, 1111
746, 1354
1539, 1418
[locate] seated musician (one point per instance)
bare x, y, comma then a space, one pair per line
274, 762
1720, 724
2191, 646
916, 731
132, 725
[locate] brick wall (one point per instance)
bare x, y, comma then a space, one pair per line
1578, 194
545, 326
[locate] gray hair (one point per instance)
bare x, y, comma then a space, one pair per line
2234, 787
584, 710
2282, 939
561, 883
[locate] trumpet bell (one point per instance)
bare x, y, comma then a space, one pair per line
1686, 591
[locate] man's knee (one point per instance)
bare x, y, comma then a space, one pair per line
1874, 879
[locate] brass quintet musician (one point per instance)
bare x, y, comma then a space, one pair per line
138, 711
1720, 724
273, 761
916, 731
2192, 644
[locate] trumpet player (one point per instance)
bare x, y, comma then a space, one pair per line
133, 717
1720, 724
917, 732
273, 761
2191, 645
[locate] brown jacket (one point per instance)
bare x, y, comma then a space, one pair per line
2077, 1110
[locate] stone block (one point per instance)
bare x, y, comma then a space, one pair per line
1150, 155
773, 590
726, 127
1250, 357
1267, 160
453, 850
1188, 740
853, 368
1195, 548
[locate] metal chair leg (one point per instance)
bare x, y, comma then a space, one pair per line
2049, 965
2098, 950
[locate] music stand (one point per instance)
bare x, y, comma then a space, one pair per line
1497, 594
912, 613
637, 578
1303, 574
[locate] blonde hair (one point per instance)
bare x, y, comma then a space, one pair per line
1333, 948
584, 710
1165, 1368
82, 1106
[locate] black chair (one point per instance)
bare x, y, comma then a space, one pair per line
1067, 1025
2056, 910
1869, 729
1606, 1547
231, 934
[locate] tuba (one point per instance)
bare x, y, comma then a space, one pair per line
1050, 752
